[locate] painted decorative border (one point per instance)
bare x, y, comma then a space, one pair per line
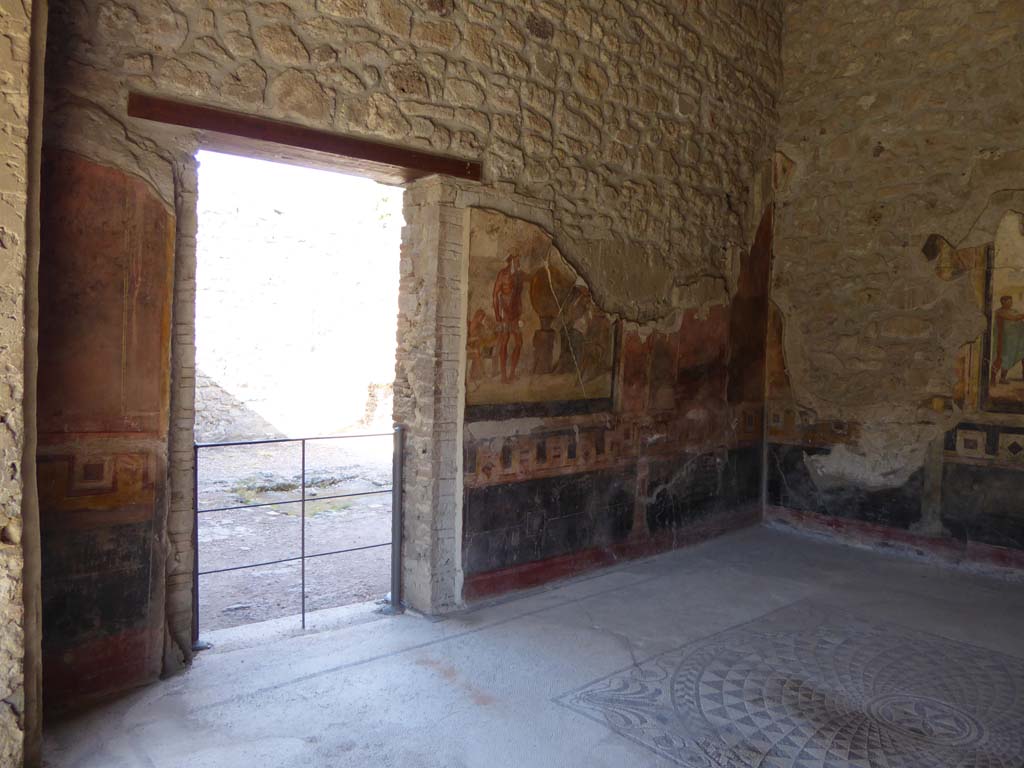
989, 444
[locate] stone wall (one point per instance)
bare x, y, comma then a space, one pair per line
15, 21
632, 131
426, 396
639, 125
900, 145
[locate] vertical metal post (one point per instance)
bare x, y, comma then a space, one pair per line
303, 561
397, 466
195, 544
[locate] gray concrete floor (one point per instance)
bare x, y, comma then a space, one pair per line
870, 651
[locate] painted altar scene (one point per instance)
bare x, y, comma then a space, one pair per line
535, 334
1006, 318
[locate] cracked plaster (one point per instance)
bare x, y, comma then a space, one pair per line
893, 138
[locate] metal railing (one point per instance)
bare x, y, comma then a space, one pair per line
396, 517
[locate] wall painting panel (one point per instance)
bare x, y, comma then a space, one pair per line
536, 339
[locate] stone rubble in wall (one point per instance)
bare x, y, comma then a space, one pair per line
640, 125
14, 98
181, 457
900, 123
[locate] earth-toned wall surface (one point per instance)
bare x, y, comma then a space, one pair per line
588, 437
900, 138
635, 135
637, 125
15, 18
633, 132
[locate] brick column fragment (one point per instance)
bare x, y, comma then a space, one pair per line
427, 393
181, 559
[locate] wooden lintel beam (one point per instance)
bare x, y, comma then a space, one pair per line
236, 131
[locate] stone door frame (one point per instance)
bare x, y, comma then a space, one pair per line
429, 398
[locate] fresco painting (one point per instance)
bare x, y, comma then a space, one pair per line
666, 452
105, 295
673, 448
990, 369
534, 332
1005, 310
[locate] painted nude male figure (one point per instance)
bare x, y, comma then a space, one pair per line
507, 298
1009, 340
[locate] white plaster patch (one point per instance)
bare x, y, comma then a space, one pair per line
844, 467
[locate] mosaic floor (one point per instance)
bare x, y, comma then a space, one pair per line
809, 686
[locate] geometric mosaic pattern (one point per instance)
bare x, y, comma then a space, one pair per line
809, 686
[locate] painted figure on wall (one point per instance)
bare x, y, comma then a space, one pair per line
507, 298
1002, 371
534, 332
1009, 340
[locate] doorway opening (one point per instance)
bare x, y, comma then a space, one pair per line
297, 284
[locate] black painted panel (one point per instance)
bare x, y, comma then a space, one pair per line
790, 485
682, 491
95, 582
522, 522
984, 504
688, 489
742, 481
517, 523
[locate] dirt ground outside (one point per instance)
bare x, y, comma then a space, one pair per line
271, 474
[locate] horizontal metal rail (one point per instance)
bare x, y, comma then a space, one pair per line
294, 559
274, 440
310, 500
